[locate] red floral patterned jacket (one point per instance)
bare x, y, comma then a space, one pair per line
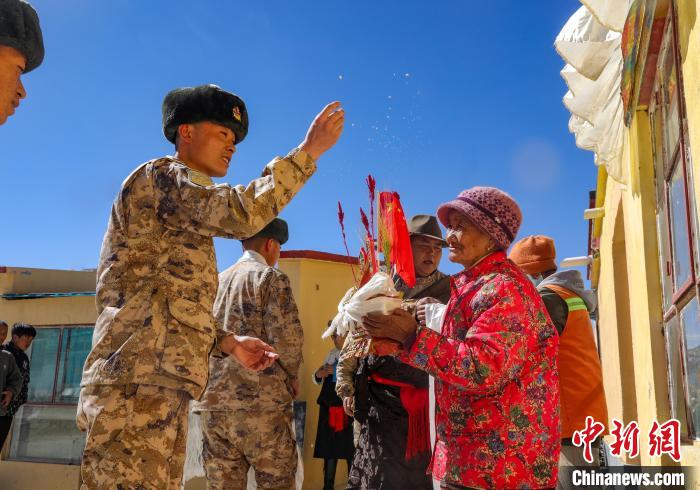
497, 381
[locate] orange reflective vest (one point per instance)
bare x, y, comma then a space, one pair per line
580, 374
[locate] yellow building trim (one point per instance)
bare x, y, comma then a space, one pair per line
601, 186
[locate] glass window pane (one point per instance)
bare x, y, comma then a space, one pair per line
672, 124
676, 386
661, 208
74, 349
672, 121
679, 228
46, 434
691, 327
43, 354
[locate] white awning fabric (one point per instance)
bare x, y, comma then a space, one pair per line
590, 44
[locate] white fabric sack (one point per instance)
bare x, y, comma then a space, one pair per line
377, 296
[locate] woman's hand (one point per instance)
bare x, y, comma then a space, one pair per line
420, 309
398, 325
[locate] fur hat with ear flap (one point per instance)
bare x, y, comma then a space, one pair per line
189, 105
20, 29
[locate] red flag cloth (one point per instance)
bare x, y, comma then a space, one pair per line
394, 237
415, 401
337, 420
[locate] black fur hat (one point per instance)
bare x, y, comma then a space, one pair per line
211, 103
20, 29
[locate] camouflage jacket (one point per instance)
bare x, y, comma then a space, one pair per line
157, 276
255, 299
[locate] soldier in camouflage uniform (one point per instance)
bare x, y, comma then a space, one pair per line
247, 416
157, 281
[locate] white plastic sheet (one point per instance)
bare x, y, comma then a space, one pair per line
590, 44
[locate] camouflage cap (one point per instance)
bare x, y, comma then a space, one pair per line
20, 29
188, 105
276, 229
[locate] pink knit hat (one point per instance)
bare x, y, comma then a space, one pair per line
491, 210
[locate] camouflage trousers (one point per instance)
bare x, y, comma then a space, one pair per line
236, 440
136, 436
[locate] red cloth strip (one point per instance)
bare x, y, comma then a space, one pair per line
337, 420
415, 402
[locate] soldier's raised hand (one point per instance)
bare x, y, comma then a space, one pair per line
253, 353
324, 130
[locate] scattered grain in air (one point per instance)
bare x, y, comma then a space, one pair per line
340, 77
390, 96
407, 75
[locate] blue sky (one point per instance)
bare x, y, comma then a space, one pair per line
439, 97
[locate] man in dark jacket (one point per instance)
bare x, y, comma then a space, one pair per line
22, 337
389, 398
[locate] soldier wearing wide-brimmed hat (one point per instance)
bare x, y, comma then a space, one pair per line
21, 50
157, 281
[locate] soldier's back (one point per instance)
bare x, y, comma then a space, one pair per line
240, 308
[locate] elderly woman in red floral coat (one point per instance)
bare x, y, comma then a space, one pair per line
495, 359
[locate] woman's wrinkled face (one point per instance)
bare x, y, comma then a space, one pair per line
466, 243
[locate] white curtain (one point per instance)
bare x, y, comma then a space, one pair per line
590, 44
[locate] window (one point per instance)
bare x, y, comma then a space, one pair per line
677, 228
44, 428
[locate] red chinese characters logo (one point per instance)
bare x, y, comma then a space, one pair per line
626, 438
586, 436
665, 439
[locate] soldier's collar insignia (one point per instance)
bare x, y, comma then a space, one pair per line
237, 113
199, 178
